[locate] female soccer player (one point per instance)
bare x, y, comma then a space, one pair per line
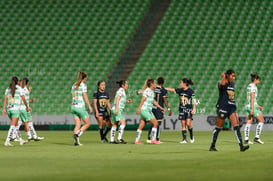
145, 111
26, 116
187, 106
161, 95
117, 112
13, 95
101, 104
226, 107
78, 97
253, 110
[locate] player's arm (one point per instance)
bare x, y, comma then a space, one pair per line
252, 96
170, 89
85, 98
96, 107
117, 104
167, 105
4, 106
224, 80
25, 102
140, 104
29, 89
157, 105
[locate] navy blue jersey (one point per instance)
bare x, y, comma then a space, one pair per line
185, 98
226, 95
102, 98
160, 92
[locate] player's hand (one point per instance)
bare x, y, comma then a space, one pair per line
29, 109
33, 100
223, 75
4, 112
90, 109
251, 112
129, 100
162, 110
260, 108
138, 111
193, 112
29, 88
97, 115
116, 112
170, 112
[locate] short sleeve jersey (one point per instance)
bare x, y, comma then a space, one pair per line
26, 93
148, 103
77, 95
185, 98
14, 102
252, 88
159, 93
226, 95
102, 98
122, 101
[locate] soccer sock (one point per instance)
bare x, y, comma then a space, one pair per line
215, 136
18, 134
19, 124
259, 130
32, 130
121, 131
238, 135
154, 130
101, 134
149, 132
247, 131
106, 131
191, 133
28, 134
113, 133
10, 133
138, 134
184, 134
158, 131
79, 133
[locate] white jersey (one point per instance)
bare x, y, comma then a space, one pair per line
14, 102
77, 95
26, 93
148, 103
122, 101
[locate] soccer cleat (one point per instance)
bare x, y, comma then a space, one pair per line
7, 143
148, 141
76, 140
106, 140
121, 141
192, 140
212, 148
248, 142
23, 142
244, 148
38, 138
257, 140
183, 142
138, 143
155, 142
113, 142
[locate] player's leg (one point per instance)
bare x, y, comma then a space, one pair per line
189, 125
108, 126
249, 120
216, 131
184, 131
158, 129
100, 123
121, 132
77, 131
139, 131
235, 124
149, 133
154, 122
113, 131
259, 128
11, 131
23, 116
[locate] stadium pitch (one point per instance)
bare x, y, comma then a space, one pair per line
55, 158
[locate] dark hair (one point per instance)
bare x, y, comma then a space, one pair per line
121, 82
81, 76
187, 81
160, 80
12, 85
99, 82
25, 81
254, 76
149, 82
229, 72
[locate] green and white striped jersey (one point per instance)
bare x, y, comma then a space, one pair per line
122, 101
26, 93
252, 88
14, 102
148, 103
77, 95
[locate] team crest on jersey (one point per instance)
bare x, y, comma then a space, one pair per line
103, 103
231, 95
222, 115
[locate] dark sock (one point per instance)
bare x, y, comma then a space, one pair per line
101, 134
158, 131
215, 136
184, 134
238, 135
191, 133
149, 132
106, 131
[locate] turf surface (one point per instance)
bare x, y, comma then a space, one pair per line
55, 158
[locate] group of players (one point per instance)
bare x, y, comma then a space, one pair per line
151, 108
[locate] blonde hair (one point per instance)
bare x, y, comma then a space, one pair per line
81, 76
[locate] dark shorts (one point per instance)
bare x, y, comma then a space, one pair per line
225, 111
158, 114
185, 115
104, 114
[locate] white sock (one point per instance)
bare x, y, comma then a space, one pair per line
138, 134
79, 133
32, 130
121, 131
18, 134
259, 130
247, 131
113, 133
20, 123
10, 133
154, 130
28, 134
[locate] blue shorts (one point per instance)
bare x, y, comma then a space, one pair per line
225, 111
158, 114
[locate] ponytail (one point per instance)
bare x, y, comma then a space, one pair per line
12, 86
25, 82
187, 81
254, 77
81, 76
148, 83
121, 82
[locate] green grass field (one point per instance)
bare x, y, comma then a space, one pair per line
55, 158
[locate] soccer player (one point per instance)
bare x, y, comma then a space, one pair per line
226, 108
102, 105
161, 95
145, 111
78, 97
13, 96
26, 116
117, 113
187, 107
253, 109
